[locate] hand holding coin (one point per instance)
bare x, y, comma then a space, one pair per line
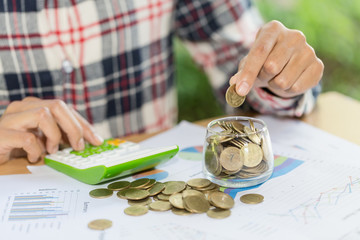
232, 98
280, 60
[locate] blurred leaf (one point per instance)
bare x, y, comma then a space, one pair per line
195, 96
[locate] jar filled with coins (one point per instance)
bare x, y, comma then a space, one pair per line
237, 152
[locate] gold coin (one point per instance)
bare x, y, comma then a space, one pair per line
196, 203
221, 200
231, 160
218, 213
139, 183
160, 206
101, 193
150, 184
198, 182
100, 224
117, 186
219, 138
177, 200
156, 189
237, 126
191, 192
171, 182
252, 154
174, 187
212, 186
142, 202
252, 198
251, 123
266, 148
163, 197
252, 135
232, 98
121, 193
262, 167
243, 174
136, 210
136, 194
212, 163
236, 143
180, 212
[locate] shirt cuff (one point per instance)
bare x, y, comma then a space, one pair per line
267, 103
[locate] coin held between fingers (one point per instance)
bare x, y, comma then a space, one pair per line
232, 98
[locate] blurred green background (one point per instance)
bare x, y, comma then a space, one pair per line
332, 28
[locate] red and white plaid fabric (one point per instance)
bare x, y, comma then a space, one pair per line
113, 61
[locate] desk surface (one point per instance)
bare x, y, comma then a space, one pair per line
334, 113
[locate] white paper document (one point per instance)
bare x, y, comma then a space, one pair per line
314, 193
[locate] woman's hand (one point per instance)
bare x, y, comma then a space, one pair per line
37, 126
280, 60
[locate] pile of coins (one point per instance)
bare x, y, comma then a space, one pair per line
238, 151
182, 198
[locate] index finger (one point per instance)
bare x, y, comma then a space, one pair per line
256, 58
63, 116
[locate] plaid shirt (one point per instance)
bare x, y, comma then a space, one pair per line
112, 60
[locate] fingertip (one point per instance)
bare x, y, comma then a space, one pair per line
235, 78
34, 159
232, 80
53, 149
79, 146
243, 88
96, 139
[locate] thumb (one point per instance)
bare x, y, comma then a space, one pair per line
244, 78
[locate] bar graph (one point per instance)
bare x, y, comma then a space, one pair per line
30, 207
41, 205
40, 210
325, 202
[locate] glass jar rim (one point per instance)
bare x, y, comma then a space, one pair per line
235, 118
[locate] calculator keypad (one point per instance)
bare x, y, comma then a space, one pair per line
110, 153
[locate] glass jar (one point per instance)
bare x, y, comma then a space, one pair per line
237, 152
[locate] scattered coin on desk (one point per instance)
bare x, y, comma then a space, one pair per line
198, 195
252, 198
232, 98
101, 193
237, 152
100, 224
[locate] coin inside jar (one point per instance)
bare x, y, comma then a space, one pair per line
237, 152
231, 159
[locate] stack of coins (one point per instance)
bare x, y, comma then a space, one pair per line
198, 195
238, 151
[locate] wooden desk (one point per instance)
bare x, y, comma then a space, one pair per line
335, 113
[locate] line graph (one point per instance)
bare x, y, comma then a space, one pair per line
324, 202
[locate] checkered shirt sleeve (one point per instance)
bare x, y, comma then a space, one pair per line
113, 60
218, 35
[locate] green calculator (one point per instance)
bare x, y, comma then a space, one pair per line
113, 159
